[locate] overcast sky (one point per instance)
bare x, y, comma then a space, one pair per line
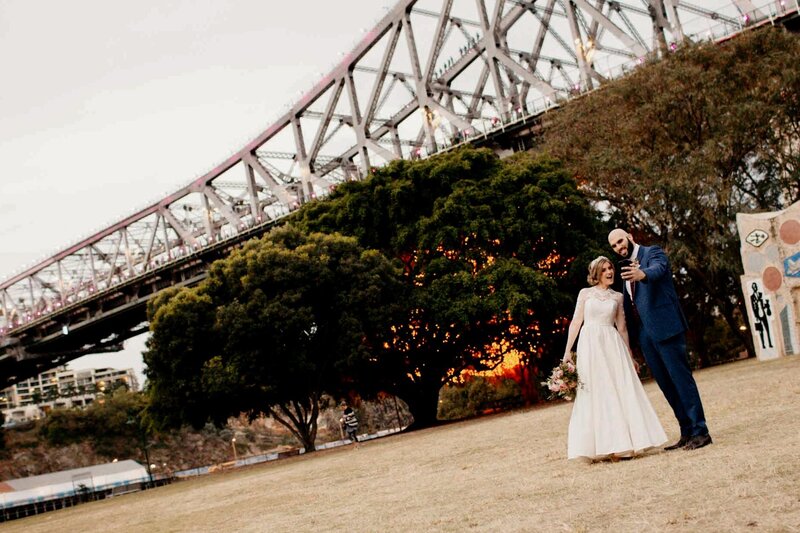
106, 105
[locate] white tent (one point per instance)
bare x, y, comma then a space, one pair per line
67, 483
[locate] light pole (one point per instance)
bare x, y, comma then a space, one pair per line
233, 445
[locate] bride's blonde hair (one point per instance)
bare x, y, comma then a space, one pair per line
596, 269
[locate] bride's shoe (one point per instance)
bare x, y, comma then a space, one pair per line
624, 456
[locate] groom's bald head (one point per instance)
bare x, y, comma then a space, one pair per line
621, 242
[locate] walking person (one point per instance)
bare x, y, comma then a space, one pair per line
350, 422
612, 417
652, 306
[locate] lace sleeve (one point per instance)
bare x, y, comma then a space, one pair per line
575, 325
577, 316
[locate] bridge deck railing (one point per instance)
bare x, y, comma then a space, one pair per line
251, 190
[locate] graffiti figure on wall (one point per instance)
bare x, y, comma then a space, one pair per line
761, 313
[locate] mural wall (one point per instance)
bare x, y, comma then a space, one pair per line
770, 248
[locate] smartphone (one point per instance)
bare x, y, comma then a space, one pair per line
624, 263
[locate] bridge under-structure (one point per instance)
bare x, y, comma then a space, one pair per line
431, 75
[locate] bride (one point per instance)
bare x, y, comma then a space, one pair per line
612, 416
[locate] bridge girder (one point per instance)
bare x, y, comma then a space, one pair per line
429, 75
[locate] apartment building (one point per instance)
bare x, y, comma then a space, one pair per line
61, 387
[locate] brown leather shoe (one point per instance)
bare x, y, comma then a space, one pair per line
680, 444
698, 441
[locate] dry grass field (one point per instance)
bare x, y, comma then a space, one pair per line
503, 473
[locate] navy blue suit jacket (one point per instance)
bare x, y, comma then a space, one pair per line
655, 297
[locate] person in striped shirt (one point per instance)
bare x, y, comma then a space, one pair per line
350, 422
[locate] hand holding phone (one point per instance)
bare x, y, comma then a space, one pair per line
625, 269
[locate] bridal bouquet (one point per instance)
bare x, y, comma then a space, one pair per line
563, 381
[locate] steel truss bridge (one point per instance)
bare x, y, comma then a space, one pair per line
430, 75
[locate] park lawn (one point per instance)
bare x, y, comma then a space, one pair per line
506, 472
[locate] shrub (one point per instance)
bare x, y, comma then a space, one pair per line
477, 395
111, 423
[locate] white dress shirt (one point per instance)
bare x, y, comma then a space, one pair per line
632, 257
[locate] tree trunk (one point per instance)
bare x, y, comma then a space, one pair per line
301, 419
423, 401
744, 335
697, 335
529, 383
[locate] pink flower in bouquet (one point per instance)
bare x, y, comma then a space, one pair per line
563, 381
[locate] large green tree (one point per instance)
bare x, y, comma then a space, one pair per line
274, 326
489, 251
677, 148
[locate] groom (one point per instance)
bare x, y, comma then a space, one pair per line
652, 306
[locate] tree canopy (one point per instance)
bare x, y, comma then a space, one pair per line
681, 145
277, 323
488, 249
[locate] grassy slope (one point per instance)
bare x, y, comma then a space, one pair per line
504, 473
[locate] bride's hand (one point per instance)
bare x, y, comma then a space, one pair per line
567, 358
635, 365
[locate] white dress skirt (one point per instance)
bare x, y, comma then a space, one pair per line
612, 414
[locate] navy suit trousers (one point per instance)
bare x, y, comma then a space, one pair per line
670, 367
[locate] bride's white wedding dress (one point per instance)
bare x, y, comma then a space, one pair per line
611, 415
